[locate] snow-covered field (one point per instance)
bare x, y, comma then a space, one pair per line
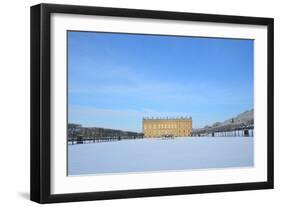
160, 154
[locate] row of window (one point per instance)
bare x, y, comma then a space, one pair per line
168, 132
163, 126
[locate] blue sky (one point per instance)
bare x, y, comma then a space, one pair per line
116, 79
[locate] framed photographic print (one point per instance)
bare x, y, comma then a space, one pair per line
133, 103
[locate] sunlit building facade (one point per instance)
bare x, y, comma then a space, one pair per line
167, 127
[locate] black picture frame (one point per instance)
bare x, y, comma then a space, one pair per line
40, 184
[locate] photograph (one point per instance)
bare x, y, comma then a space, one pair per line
139, 103
131, 103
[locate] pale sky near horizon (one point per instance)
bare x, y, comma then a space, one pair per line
116, 79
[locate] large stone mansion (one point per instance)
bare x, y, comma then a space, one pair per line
167, 127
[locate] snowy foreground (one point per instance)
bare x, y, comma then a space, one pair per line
160, 154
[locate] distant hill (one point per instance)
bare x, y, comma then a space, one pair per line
243, 119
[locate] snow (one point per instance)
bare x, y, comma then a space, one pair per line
158, 154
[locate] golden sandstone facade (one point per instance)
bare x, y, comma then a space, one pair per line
167, 127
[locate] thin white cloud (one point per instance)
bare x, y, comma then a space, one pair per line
93, 111
129, 119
